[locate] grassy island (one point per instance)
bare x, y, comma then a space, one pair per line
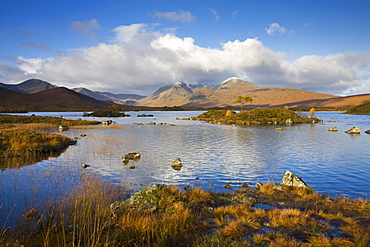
292, 216
27, 139
255, 116
111, 111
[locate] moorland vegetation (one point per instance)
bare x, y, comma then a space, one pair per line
28, 139
292, 216
360, 109
255, 116
111, 111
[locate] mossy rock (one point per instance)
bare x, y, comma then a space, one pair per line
149, 199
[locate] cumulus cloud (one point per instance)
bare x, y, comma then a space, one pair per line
131, 32
35, 45
182, 16
275, 28
141, 60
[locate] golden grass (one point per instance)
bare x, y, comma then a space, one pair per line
194, 218
87, 127
81, 219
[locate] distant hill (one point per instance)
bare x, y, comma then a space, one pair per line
225, 94
38, 95
360, 109
55, 99
129, 99
29, 86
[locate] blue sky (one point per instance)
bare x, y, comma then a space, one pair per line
138, 46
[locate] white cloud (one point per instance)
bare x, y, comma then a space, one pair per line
142, 60
275, 28
183, 16
215, 13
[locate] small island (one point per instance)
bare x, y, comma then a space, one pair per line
111, 111
256, 116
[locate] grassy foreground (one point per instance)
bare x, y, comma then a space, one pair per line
194, 217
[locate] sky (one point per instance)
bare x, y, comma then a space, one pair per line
122, 46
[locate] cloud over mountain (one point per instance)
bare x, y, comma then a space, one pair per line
141, 57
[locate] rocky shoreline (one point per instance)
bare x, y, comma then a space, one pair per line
268, 215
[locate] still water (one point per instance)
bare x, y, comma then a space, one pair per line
334, 163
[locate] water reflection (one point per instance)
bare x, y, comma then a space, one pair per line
212, 155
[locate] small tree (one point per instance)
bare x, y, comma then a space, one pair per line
312, 112
243, 100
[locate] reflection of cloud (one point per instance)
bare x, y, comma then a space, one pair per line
183, 16
142, 58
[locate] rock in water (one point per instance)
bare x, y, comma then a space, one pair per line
333, 129
84, 166
291, 179
353, 130
177, 164
367, 131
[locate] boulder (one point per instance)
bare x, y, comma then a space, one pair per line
84, 166
63, 127
289, 121
291, 179
333, 129
353, 130
367, 131
146, 199
130, 156
177, 164
107, 122
258, 186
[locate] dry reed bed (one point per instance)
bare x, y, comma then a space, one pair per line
195, 217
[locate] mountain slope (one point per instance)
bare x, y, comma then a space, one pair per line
29, 86
55, 99
225, 94
168, 95
116, 98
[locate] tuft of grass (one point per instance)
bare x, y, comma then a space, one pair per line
81, 219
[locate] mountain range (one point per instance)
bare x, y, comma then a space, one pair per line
38, 95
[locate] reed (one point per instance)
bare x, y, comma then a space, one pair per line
82, 218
